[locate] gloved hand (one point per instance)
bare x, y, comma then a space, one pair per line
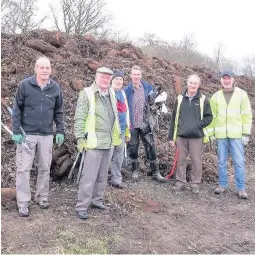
81, 144
245, 139
59, 139
18, 139
213, 141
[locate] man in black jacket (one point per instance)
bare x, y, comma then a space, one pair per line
191, 115
38, 102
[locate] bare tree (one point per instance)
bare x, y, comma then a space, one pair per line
219, 54
81, 16
249, 66
19, 15
10, 16
187, 44
149, 39
117, 36
229, 64
4, 5
183, 51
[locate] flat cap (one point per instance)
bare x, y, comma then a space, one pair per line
104, 70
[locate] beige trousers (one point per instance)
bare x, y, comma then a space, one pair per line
194, 148
42, 149
94, 177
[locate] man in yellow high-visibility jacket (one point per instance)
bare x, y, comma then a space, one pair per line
96, 116
231, 127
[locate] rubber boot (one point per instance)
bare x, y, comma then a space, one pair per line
155, 172
135, 170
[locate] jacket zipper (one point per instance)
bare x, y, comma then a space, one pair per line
41, 109
226, 119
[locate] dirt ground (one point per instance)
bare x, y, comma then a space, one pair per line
147, 217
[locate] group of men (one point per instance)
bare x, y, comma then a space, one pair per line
107, 117
226, 121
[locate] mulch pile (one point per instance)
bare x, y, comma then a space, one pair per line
74, 62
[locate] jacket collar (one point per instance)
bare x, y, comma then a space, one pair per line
142, 82
96, 89
34, 82
199, 94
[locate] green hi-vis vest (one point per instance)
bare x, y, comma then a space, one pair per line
232, 120
90, 123
201, 102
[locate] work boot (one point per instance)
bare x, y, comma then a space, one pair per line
178, 186
135, 170
100, 205
219, 190
242, 194
155, 172
23, 211
44, 204
82, 215
119, 185
195, 190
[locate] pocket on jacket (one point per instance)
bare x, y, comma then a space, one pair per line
50, 101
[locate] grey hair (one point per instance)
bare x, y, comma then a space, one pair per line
194, 76
40, 59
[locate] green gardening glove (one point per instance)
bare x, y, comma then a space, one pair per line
81, 144
18, 139
59, 139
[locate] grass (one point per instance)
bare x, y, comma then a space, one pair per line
91, 245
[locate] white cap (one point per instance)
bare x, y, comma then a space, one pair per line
104, 70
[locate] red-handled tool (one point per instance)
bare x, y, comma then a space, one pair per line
172, 171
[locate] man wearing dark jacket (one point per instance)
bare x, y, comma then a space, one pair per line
140, 96
191, 115
38, 102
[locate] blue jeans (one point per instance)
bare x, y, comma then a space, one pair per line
236, 149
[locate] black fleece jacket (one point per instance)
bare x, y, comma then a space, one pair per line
35, 109
190, 124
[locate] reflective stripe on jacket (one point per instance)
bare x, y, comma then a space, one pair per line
90, 123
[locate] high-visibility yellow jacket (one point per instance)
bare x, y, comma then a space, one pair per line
232, 120
85, 119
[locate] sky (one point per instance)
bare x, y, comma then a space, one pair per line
210, 22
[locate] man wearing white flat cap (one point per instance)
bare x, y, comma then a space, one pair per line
96, 128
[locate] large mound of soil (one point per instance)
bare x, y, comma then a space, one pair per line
74, 61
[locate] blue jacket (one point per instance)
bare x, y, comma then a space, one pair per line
122, 110
35, 109
129, 90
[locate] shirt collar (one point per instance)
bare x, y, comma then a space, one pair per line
97, 89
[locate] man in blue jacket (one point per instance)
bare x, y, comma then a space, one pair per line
140, 97
38, 102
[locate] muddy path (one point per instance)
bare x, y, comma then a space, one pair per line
147, 217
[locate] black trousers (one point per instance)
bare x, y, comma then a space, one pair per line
148, 142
